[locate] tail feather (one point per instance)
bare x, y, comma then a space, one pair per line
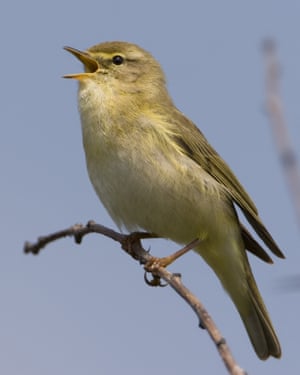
232, 267
258, 324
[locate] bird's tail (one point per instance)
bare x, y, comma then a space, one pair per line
257, 321
232, 267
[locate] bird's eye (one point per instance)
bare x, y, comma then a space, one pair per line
117, 60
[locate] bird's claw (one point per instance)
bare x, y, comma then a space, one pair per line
155, 281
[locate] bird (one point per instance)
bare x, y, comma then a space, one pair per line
153, 169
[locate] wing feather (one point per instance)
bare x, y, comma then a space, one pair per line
193, 143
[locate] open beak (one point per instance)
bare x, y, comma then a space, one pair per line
90, 64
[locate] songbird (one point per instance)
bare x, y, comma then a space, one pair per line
154, 170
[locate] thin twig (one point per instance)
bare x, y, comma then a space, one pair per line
131, 244
274, 106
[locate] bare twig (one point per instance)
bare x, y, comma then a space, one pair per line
274, 106
131, 244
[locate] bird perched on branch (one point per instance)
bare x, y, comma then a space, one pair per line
153, 169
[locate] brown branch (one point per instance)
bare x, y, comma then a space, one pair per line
131, 244
274, 106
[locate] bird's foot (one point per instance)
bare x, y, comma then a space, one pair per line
133, 239
154, 263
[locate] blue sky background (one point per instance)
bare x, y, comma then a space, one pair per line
86, 309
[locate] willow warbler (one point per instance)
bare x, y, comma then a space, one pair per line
153, 169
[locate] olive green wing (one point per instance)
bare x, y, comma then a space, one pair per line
193, 143
253, 246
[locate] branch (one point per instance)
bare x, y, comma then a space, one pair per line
274, 106
131, 244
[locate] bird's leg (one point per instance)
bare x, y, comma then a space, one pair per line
166, 261
155, 262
